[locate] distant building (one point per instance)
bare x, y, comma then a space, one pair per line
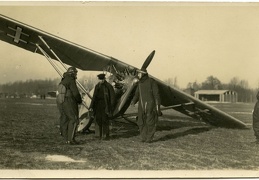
217, 95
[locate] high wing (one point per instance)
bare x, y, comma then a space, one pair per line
191, 106
30, 38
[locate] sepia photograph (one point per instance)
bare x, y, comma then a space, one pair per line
150, 89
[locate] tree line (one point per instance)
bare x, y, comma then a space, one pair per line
42, 87
39, 87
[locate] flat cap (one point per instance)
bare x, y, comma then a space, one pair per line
101, 76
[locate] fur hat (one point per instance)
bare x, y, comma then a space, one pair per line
72, 70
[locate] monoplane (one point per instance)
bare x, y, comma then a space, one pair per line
123, 76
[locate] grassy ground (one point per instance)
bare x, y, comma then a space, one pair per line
29, 136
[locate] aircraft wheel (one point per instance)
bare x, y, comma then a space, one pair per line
84, 124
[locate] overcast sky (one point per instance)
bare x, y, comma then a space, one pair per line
192, 40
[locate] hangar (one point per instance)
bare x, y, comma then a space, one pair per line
217, 95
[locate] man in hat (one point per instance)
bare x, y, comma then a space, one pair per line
67, 102
256, 119
147, 95
102, 105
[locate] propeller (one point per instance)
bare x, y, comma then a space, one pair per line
148, 60
132, 81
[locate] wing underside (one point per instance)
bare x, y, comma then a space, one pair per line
28, 37
193, 107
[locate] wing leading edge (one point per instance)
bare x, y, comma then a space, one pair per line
27, 37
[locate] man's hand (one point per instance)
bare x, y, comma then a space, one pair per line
91, 113
158, 110
132, 104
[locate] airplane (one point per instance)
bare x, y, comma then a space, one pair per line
123, 75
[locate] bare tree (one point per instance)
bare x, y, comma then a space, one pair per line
212, 83
88, 81
194, 85
245, 94
172, 82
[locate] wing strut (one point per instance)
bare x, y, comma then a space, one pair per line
177, 105
56, 68
78, 83
50, 61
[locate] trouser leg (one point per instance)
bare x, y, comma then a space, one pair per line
64, 125
72, 125
102, 125
100, 128
143, 132
99, 113
151, 126
256, 129
96, 128
60, 117
105, 126
71, 130
64, 130
73, 120
142, 127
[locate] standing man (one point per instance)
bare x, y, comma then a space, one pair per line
149, 106
68, 99
256, 119
102, 105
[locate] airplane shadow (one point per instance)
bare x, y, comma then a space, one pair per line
165, 125
195, 130
168, 123
123, 130
181, 126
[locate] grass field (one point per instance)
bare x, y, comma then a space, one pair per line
29, 140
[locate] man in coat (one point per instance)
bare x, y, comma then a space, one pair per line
147, 95
102, 106
256, 119
68, 107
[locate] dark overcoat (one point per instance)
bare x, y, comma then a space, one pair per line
102, 103
256, 118
147, 95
